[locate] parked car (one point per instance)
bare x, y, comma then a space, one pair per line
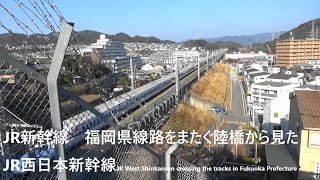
218, 109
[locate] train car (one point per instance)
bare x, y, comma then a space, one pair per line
77, 125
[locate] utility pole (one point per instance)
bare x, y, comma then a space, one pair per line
198, 59
207, 61
236, 150
132, 74
177, 78
256, 154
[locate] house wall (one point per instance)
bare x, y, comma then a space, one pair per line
309, 155
276, 113
305, 155
262, 78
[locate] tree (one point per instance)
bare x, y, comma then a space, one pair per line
84, 66
124, 80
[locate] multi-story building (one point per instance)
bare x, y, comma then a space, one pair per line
291, 52
304, 120
121, 64
264, 92
170, 57
163, 56
105, 48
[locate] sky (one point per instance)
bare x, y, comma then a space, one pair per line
179, 20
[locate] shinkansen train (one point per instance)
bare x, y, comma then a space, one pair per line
115, 108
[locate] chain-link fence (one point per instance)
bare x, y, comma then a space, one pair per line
59, 91
25, 108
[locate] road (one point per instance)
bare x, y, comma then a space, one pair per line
237, 113
236, 117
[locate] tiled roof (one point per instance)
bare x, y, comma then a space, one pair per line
272, 84
315, 73
281, 76
251, 70
259, 74
309, 108
310, 87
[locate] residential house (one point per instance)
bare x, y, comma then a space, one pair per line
315, 64
276, 115
304, 120
147, 67
285, 78
314, 78
256, 77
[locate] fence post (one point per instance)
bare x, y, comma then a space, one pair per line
168, 159
53, 74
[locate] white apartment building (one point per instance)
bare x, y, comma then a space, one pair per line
264, 92
170, 57
106, 48
260, 54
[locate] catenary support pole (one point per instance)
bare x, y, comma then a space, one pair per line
198, 59
132, 73
207, 61
176, 78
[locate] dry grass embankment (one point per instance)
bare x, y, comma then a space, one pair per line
189, 118
215, 85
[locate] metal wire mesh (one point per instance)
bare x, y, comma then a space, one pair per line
25, 100
190, 175
25, 107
